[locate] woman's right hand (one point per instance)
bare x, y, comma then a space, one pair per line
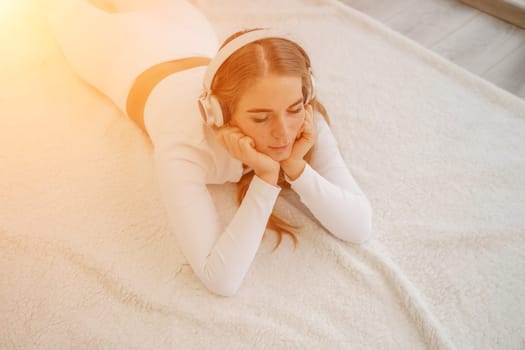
242, 147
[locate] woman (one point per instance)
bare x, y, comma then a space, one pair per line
267, 130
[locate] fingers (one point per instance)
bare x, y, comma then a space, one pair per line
239, 145
231, 141
226, 134
306, 136
246, 143
309, 113
308, 126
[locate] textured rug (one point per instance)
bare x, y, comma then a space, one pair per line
87, 260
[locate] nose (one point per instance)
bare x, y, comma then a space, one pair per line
279, 129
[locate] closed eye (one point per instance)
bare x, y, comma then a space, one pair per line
260, 120
297, 110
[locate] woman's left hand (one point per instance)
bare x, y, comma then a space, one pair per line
306, 138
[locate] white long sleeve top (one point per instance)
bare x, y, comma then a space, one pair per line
188, 157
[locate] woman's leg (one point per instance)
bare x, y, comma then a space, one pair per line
110, 49
130, 5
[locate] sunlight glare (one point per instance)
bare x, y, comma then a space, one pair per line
8, 8
4, 6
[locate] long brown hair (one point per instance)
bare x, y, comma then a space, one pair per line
268, 55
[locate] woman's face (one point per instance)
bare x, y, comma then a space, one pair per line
271, 112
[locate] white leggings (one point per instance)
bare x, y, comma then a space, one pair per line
110, 42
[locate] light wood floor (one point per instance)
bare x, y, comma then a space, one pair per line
476, 41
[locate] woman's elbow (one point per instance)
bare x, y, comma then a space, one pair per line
220, 279
224, 291
223, 288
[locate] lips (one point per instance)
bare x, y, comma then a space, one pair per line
279, 148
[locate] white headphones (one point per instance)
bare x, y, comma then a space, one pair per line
208, 104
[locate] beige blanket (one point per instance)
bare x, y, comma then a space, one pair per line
87, 260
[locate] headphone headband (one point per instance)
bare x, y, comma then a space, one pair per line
234, 45
209, 105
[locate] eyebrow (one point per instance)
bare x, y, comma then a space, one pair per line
258, 110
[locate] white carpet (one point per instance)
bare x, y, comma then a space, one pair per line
87, 260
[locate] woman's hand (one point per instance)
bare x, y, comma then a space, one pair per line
306, 138
242, 147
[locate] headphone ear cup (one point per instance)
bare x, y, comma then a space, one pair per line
204, 109
211, 111
311, 93
216, 111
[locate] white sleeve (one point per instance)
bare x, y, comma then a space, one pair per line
328, 189
219, 256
